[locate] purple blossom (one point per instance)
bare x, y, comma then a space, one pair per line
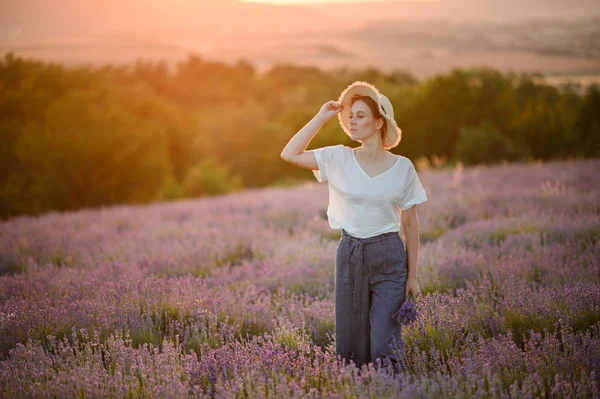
206, 298
407, 313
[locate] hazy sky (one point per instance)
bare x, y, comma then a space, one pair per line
321, 1
302, 1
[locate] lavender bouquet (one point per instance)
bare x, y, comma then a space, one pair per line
407, 313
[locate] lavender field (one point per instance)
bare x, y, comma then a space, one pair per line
232, 296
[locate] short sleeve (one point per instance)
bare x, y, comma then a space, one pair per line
325, 157
414, 193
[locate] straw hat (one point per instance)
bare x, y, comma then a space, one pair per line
393, 134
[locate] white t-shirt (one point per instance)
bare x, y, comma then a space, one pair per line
361, 205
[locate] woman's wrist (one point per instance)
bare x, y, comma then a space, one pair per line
322, 117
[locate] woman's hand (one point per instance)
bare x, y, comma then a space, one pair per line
412, 286
330, 108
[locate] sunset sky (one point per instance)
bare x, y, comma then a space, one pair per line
283, 2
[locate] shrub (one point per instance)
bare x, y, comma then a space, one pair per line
486, 144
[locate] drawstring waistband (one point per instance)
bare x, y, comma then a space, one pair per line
357, 267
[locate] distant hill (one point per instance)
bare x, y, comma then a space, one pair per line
42, 20
39, 19
460, 10
424, 37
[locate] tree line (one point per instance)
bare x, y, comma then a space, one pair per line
89, 137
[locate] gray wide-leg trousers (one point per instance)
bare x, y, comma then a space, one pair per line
370, 279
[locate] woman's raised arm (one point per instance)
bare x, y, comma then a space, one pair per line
294, 152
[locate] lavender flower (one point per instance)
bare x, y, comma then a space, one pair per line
204, 298
407, 313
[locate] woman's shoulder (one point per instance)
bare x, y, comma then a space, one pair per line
337, 147
404, 159
405, 164
332, 154
341, 149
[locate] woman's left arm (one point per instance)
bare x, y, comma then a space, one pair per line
410, 226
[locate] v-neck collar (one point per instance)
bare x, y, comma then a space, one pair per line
365, 173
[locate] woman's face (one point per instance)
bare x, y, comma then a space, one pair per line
361, 122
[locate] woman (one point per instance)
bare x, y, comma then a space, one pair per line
371, 193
